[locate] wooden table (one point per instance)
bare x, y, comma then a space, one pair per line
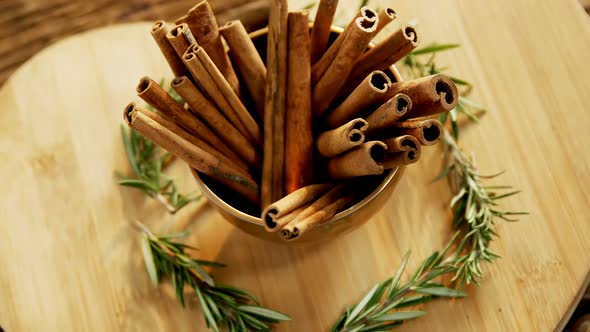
70, 258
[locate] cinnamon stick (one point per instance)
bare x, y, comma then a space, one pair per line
298, 227
401, 150
336, 141
321, 66
364, 160
244, 117
430, 95
322, 27
181, 19
386, 16
287, 232
368, 94
203, 25
248, 61
298, 125
158, 32
196, 157
153, 94
180, 37
209, 87
389, 113
273, 214
253, 15
171, 125
216, 121
427, 131
274, 110
353, 46
384, 54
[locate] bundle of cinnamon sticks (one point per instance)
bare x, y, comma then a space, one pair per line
292, 135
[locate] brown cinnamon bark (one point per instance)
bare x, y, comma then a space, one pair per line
389, 113
274, 110
384, 54
203, 25
430, 95
298, 227
366, 96
248, 61
182, 19
196, 157
253, 15
386, 16
319, 68
216, 121
426, 131
364, 160
401, 150
298, 126
174, 61
156, 96
287, 232
272, 215
401, 143
353, 46
244, 117
336, 141
180, 37
210, 88
236, 163
322, 28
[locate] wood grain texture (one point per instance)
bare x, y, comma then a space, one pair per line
70, 261
28, 26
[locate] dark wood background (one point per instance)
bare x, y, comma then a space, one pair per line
31, 25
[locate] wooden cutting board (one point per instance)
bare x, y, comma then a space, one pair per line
70, 260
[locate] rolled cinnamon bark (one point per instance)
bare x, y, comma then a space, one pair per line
324, 200
244, 117
426, 131
174, 61
401, 143
156, 96
298, 126
182, 19
236, 162
368, 94
353, 46
196, 157
389, 113
430, 95
271, 216
322, 27
336, 141
364, 160
203, 25
296, 228
393, 160
319, 68
248, 61
210, 87
386, 16
180, 37
384, 54
224, 129
274, 109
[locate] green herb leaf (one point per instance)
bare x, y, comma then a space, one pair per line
400, 315
264, 313
441, 291
148, 259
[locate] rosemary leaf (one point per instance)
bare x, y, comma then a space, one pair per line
400, 315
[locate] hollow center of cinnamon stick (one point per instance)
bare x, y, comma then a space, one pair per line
409, 143
176, 32
379, 81
143, 85
412, 155
402, 105
269, 220
378, 153
369, 14
411, 34
444, 89
431, 133
391, 12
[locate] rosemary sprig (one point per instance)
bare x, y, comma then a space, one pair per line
378, 310
147, 162
222, 305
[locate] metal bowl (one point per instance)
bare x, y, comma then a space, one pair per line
246, 217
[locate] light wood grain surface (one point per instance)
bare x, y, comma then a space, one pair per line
69, 259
